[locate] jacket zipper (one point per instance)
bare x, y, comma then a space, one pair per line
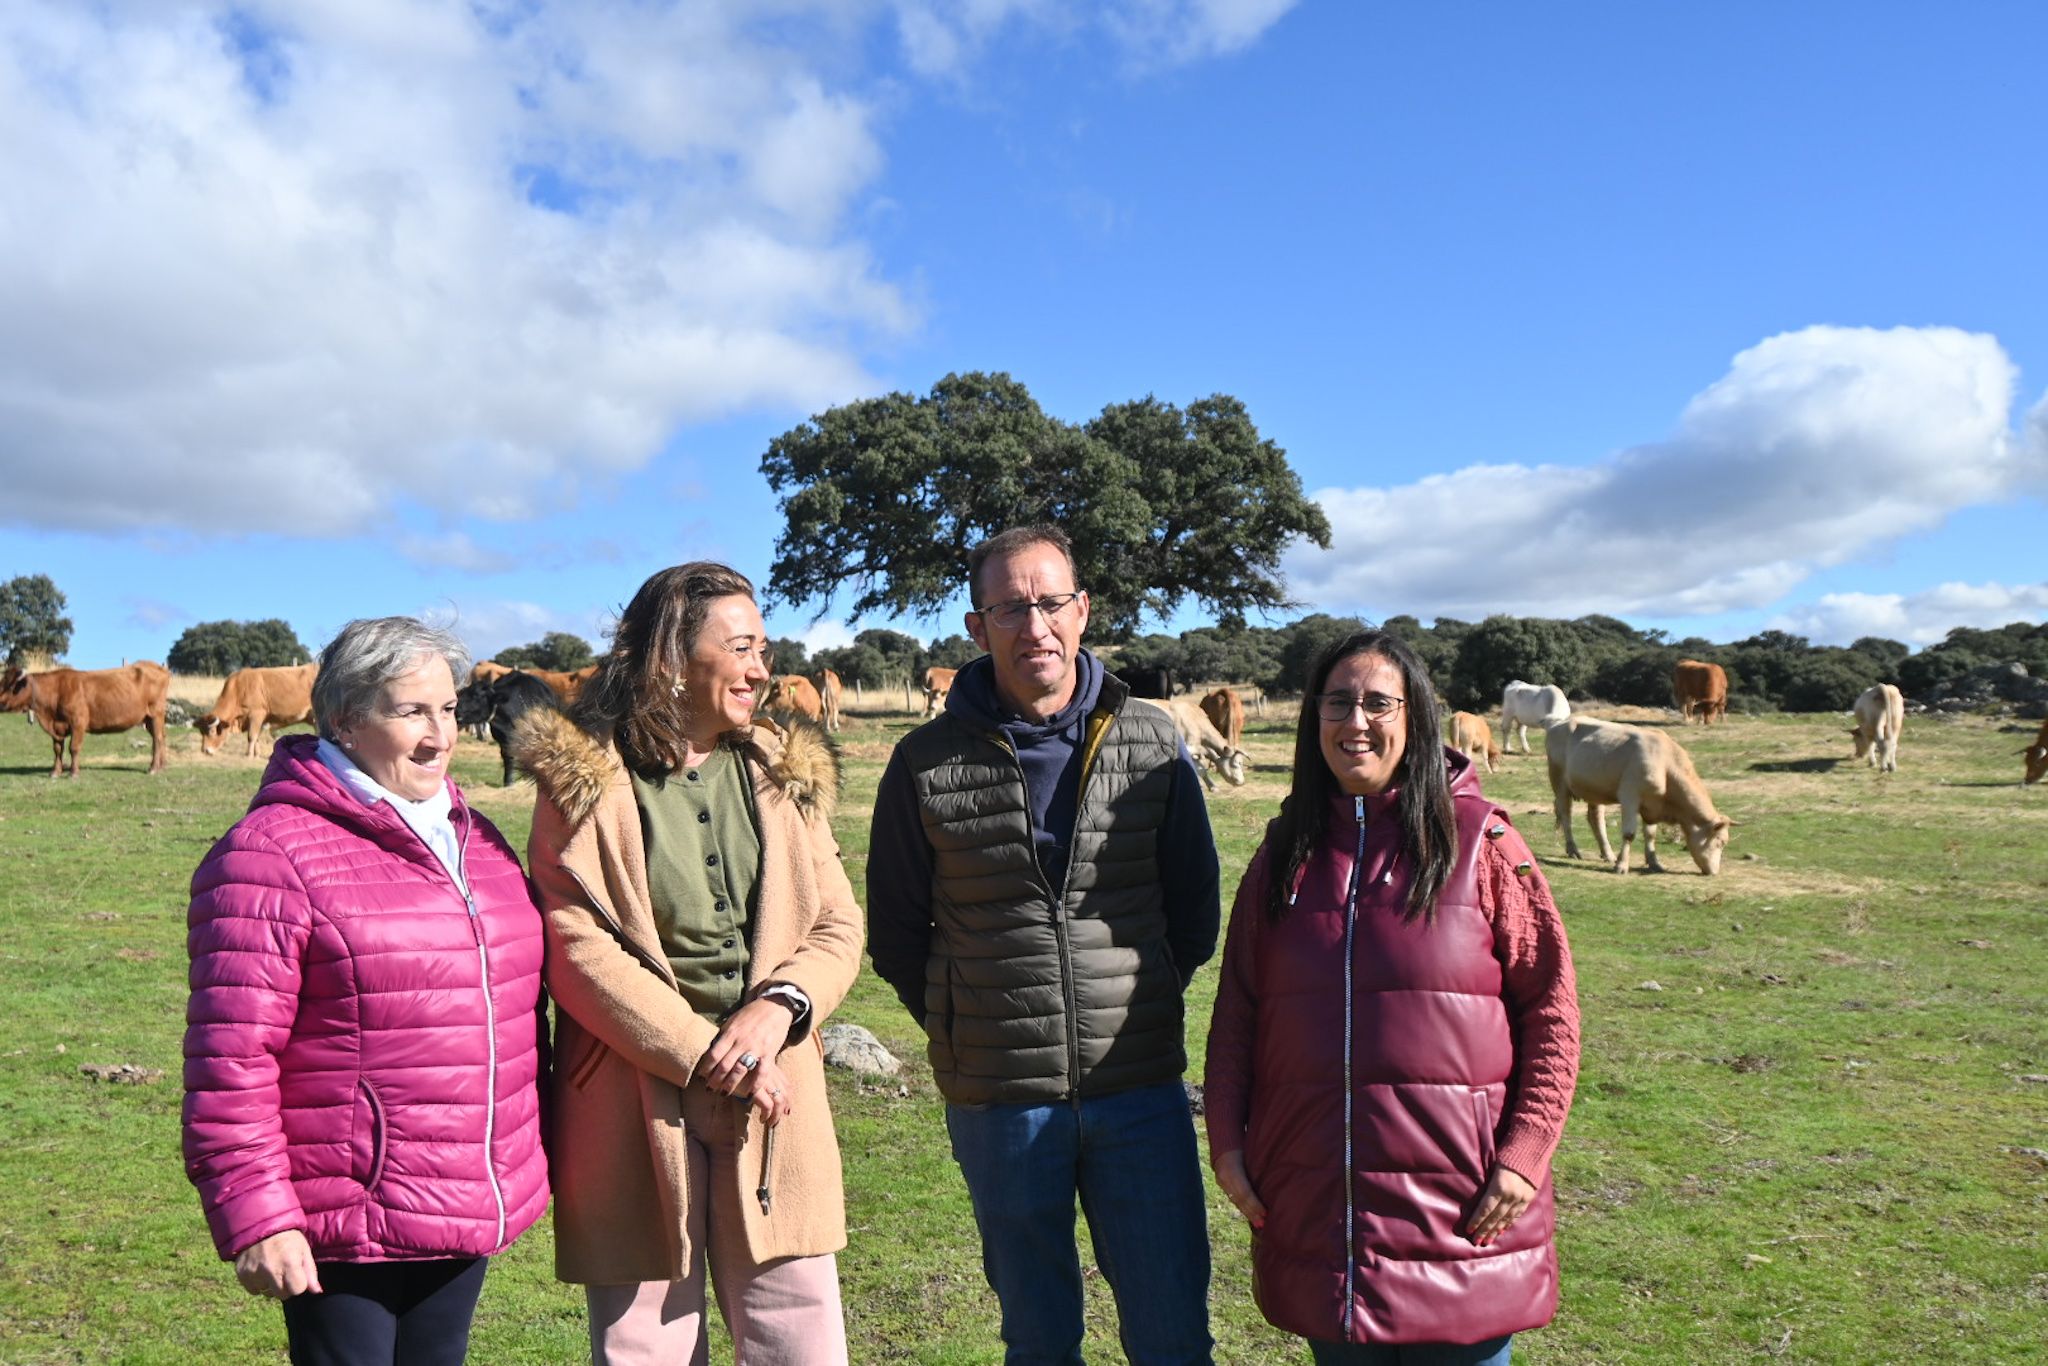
1059, 920
483, 958
1350, 1193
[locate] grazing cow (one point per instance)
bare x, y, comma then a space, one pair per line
1880, 719
937, 683
75, 703
2037, 758
1699, 690
792, 693
1151, 684
830, 693
1225, 710
498, 703
1646, 773
1472, 734
1204, 741
254, 698
1523, 705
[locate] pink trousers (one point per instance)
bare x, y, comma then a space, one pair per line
784, 1312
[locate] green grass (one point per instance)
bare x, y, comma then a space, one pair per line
1811, 1144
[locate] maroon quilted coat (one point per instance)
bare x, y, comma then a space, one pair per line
362, 1045
1365, 1187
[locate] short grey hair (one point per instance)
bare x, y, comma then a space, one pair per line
369, 653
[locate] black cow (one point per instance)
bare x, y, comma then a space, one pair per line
499, 703
1153, 683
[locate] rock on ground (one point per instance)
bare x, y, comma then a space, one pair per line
854, 1048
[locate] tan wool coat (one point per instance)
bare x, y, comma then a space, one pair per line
626, 1043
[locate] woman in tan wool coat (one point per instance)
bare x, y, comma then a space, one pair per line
699, 930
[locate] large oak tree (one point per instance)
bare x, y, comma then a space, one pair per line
885, 497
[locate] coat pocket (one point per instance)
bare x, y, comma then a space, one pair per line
377, 1133
586, 1067
1482, 1114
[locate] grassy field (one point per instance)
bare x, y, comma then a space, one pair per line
1812, 1122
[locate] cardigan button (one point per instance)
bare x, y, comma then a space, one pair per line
703, 818
1494, 832
711, 862
1522, 869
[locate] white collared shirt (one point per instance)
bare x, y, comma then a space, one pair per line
430, 818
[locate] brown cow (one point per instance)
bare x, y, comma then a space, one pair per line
792, 693
81, 702
1699, 690
484, 670
2037, 757
830, 694
937, 683
1225, 710
1474, 735
254, 698
565, 685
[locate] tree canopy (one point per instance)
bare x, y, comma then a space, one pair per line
221, 647
886, 496
560, 651
33, 627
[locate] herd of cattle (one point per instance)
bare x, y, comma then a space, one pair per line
1642, 771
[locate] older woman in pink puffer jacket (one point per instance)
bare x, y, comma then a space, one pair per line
362, 1048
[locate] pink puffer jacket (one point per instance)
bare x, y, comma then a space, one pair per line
362, 1046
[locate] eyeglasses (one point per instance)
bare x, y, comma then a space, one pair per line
1338, 706
1010, 615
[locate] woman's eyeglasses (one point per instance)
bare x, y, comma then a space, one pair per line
1338, 706
1011, 615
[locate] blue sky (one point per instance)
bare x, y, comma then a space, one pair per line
1712, 321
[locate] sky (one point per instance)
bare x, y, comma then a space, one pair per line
1716, 320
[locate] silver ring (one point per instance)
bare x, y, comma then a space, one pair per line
776, 1094
749, 1061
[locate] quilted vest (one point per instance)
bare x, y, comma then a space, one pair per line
1366, 1183
1036, 993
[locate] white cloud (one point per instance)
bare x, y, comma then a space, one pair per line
1917, 618
279, 266
825, 635
455, 550
152, 613
489, 625
942, 37
1815, 447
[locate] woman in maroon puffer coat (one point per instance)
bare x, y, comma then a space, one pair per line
362, 1042
1395, 1039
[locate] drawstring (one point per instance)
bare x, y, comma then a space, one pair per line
767, 1165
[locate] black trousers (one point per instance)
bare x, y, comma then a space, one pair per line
386, 1314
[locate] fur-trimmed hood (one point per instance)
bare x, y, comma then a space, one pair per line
574, 767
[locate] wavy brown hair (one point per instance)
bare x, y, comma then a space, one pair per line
1422, 804
633, 695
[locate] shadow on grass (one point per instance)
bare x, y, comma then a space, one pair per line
2009, 782
1797, 766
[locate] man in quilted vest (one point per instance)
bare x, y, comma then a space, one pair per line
1042, 885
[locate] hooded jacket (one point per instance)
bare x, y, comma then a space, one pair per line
1373, 1070
363, 1042
627, 1043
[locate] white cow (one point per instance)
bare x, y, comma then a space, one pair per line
1203, 740
1644, 772
1524, 705
1880, 717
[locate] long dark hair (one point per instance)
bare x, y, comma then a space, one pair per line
1422, 804
633, 695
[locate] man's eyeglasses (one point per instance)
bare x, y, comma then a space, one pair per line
1011, 615
1338, 706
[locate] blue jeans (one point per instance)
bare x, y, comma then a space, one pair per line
1131, 1157
1493, 1353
